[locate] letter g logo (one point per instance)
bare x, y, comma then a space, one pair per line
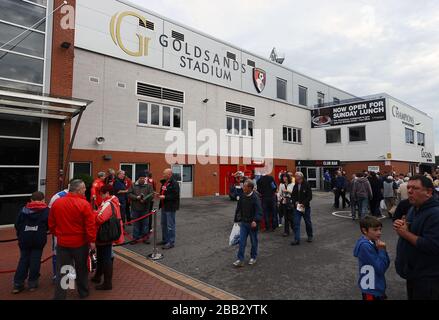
115, 26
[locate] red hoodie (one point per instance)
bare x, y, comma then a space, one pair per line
72, 221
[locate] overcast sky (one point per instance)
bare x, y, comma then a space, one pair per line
361, 46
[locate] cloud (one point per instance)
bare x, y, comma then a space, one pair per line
363, 47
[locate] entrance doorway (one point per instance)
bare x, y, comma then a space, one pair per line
312, 175
184, 175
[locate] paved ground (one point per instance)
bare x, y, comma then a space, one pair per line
135, 278
324, 269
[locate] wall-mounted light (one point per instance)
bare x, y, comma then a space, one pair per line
107, 157
65, 45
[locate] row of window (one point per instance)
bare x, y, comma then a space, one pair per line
182, 173
355, 134
303, 94
410, 137
22, 59
152, 114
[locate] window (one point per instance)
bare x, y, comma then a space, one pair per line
143, 113
293, 135
177, 117
303, 96
409, 136
79, 168
281, 89
320, 99
421, 139
155, 114
133, 169
17, 67
31, 42
336, 100
22, 13
21, 86
158, 115
333, 136
357, 134
166, 117
239, 127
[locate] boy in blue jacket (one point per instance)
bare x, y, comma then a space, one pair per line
31, 227
373, 260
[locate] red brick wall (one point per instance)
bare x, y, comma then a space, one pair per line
61, 85
206, 177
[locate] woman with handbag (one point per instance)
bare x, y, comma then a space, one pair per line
286, 206
110, 230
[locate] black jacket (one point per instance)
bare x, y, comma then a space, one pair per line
266, 186
249, 217
32, 226
171, 191
420, 261
304, 196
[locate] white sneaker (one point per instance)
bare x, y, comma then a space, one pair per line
238, 263
252, 262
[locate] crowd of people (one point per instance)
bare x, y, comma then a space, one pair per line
82, 228
264, 201
374, 192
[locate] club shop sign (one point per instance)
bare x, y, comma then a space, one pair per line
191, 57
364, 111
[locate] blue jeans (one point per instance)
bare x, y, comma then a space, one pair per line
363, 204
168, 226
29, 263
244, 231
298, 219
140, 228
268, 207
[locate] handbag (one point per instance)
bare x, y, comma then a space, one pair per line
110, 230
234, 235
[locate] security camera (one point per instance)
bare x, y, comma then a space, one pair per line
206, 100
100, 140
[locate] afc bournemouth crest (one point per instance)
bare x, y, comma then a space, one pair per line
259, 79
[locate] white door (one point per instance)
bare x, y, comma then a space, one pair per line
184, 175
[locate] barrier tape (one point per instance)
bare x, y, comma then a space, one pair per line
12, 271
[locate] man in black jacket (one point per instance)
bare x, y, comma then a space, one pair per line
302, 196
248, 214
169, 203
267, 188
417, 256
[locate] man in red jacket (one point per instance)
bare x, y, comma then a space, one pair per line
72, 221
95, 191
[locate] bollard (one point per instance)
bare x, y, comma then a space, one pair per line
155, 255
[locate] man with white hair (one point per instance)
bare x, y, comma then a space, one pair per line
302, 196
